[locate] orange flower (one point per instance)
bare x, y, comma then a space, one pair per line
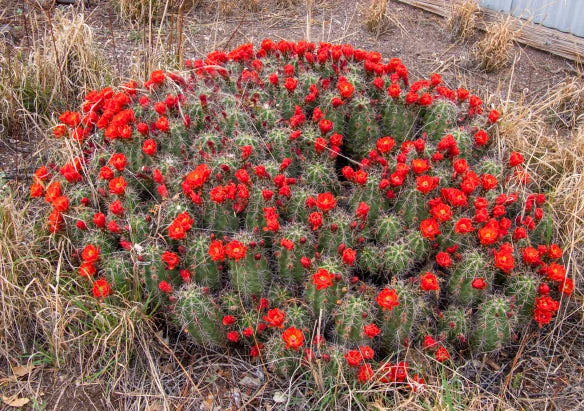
275, 318
345, 89
87, 269
387, 299
326, 201
429, 228
504, 261
293, 338
429, 282
101, 288
117, 185
322, 279
216, 250
385, 144
488, 235
36, 190
90, 253
171, 259
198, 176
235, 250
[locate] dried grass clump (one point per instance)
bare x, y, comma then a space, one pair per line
462, 18
376, 20
493, 52
156, 10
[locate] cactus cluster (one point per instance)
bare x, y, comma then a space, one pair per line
307, 202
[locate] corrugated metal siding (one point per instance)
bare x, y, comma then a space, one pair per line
563, 15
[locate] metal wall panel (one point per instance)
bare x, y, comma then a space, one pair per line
563, 15
497, 5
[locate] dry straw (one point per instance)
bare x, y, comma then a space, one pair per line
462, 19
494, 51
376, 19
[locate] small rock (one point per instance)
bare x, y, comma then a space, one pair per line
250, 382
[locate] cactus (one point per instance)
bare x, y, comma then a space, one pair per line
397, 120
362, 127
196, 312
454, 325
397, 324
211, 192
349, 318
472, 266
438, 119
523, 288
249, 274
294, 241
494, 323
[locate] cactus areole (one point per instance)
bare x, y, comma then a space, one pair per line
306, 202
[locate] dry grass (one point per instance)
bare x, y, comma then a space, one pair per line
157, 10
462, 19
493, 52
375, 18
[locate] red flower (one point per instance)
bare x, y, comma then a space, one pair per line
198, 176
293, 338
393, 90
443, 259
162, 124
61, 204
101, 288
326, 201
216, 250
429, 342
387, 299
315, 220
117, 185
504, 261
322, 279
429, 228
119, 161
228, 320
479, 283
106, 173
235, 250
385, 144
493, 116
149, 147
566, 286
366, 352
530, 256
420, 165
287, 244
117, 208
290, 84
99, 220
165, 287
441, 354
345, 89
555, 252
87, 269
176, 231
481, 138
275, 318
365, 373
354, 358
325, 126
349, 256
429, 282
556, 272
319, 144
171, 259
371, 330
362, 210
233, 336
515, 159
441, 212
425, 184
488, 234
90, 253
